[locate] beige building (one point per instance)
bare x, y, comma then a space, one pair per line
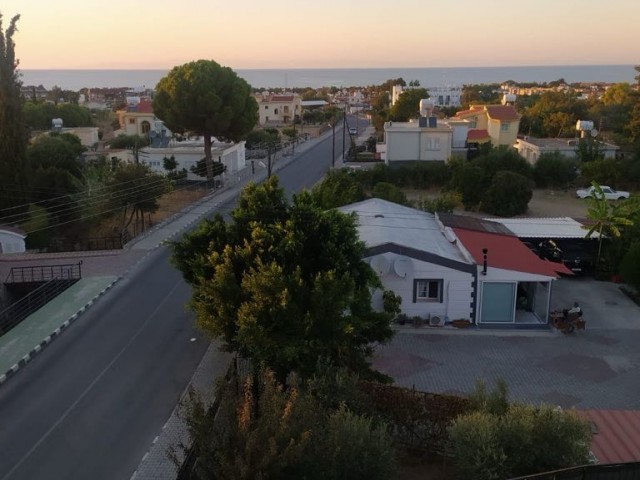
497, 123
424, 140
531, 148
278, 109
138, 119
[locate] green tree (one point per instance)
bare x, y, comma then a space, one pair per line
170, 163
13, 135
408, 105
552, 169
607, 219
129, 141
284, 283
60, 151
140, 196
388, 191
630, 266
339, 187
508, 194
208, 99
200, 168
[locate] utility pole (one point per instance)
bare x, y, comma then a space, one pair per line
344, 131
333, 146
269, 161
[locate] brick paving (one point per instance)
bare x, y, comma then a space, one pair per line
596, 368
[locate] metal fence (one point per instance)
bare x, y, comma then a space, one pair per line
44, 273
37, 298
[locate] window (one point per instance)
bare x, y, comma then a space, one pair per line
286, 109
432, 144
275, 111
132, 121
427, 291
146, 127
266, 107
504, 127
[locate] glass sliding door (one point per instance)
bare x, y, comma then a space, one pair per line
498, 302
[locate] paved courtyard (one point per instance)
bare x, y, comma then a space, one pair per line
597, 368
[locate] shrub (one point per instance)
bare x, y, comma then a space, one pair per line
499, 440
630, 266
476, 447
391, 302
508, 194
354, 447
607, 171
446, 202
388, 191
339, 187
468, 180
554, 170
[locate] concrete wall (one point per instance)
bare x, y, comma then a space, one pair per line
11, 242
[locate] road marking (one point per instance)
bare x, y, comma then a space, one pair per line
91, 385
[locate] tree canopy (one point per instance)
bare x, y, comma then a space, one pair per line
284, 283
13, 135
408, 104
208, 99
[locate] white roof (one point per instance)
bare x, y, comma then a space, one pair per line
313, 103
380, 222
561, 227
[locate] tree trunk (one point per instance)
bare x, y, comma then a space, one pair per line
207, 157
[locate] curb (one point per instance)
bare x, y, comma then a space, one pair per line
38, 348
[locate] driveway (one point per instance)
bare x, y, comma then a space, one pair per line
596, 368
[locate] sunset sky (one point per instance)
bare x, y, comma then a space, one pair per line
126, 34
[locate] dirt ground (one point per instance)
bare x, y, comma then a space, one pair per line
545, 203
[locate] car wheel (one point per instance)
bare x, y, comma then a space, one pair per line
620, 198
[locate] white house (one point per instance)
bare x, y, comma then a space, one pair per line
445, 96
188, 153
278, 109
454, 267
424, 140
11, 239
530, 148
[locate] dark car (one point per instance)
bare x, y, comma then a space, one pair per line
574, 254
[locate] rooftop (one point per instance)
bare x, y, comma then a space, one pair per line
381, 222
560, 144
556, 227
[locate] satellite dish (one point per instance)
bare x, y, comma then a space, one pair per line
594, 132
380, 265
403, 266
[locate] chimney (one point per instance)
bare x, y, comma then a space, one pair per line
484, 261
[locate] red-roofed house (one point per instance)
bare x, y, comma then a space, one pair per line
501, 122
278, 109
138, 118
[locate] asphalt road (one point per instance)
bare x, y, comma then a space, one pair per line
92, 402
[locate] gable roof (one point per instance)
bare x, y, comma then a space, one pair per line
383, 223
506, 252
505, 113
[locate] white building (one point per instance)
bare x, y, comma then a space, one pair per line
187, 154
530, 148
445, 96
278, 109
454, 267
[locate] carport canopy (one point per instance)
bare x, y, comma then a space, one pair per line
557, 227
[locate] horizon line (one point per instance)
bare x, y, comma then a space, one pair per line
343, 68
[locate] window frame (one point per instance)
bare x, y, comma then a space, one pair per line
439, 282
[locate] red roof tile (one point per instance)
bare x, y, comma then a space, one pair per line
145, 106
476, 134
473, 109
502, 112
616, 436
507, 252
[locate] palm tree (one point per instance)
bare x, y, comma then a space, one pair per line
607, 217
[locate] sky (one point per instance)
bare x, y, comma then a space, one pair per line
244, 34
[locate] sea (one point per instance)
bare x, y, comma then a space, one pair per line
341, 77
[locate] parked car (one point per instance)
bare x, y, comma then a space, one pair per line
609, 193
353, 131
574, 254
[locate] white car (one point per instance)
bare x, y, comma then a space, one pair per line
353, 131
609, 193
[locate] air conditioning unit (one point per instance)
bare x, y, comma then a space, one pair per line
435, 321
